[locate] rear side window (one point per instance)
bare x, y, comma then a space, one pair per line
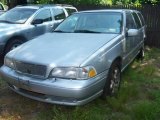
142, 19
70, 11
59, 14
137, 20
130, 24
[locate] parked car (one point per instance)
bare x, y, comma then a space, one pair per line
24, 23
81, 60
2, 8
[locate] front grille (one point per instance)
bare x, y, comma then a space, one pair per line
31, 69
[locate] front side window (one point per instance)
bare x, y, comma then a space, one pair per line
44, 15
100, 22
137, 20
17, 15
130, 24
58, 14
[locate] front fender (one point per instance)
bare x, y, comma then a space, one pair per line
103, 58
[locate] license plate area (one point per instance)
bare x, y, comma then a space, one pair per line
24, 83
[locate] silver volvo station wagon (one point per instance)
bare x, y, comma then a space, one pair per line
82, 60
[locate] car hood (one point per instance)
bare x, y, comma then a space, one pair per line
7, 27
61, 49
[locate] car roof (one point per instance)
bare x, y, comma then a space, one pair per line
108, 10
38, 6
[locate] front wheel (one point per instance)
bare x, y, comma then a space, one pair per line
113, 80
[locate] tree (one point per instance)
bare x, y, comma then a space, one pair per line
75, 2
13, 3
153, 2
82, 2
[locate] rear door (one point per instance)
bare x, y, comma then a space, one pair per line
130, 24
142, 24
139, 38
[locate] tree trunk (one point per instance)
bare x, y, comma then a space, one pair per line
21, 2
13, 3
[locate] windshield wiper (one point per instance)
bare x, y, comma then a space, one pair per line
85, 31
5, 21
60, 31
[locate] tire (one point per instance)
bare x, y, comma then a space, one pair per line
13, 44
140, 55
113, 80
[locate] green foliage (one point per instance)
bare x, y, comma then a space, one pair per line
145, 110
106, 2
3, 1
75, 2
153, 2
97, 2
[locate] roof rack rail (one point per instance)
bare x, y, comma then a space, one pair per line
67, 5
45, 5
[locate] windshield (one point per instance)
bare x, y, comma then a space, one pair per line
17, 15
100, 22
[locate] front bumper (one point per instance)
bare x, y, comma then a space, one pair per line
57, 91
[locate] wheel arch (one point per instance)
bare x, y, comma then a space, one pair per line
14, 37
117, 59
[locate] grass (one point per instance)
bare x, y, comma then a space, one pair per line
138, 98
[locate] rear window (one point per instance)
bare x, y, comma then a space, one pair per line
137, 20
130, 24
70, 11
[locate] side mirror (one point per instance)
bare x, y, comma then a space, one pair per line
37, 21
132, 32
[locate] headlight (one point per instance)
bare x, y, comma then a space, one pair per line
73, 73
8, 62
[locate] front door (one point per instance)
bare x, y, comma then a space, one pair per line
46, 26
130, 41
